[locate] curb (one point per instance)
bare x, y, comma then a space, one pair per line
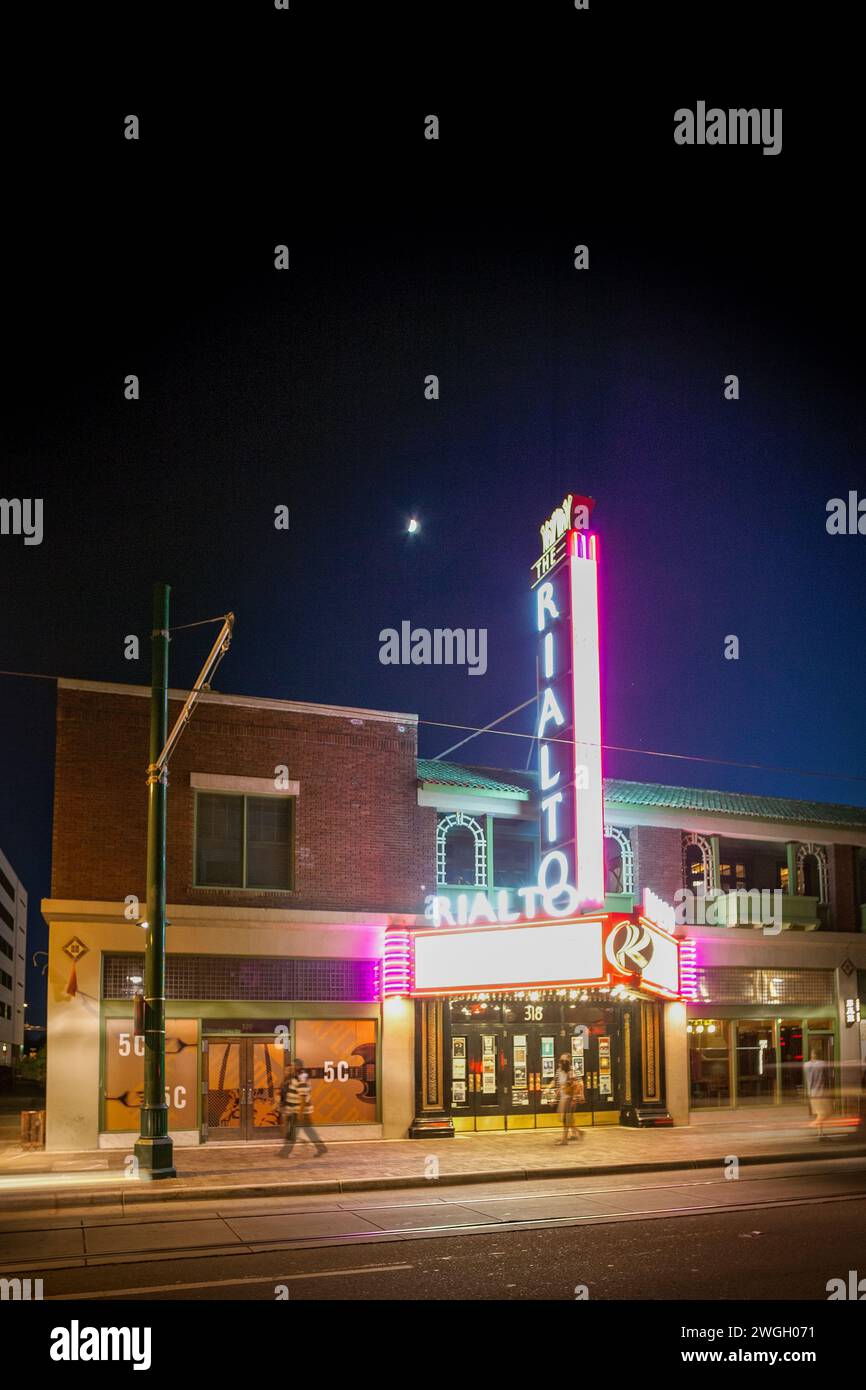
161, 1192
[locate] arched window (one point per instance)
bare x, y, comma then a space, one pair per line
618, 861
812, 875
461, 851
698, 872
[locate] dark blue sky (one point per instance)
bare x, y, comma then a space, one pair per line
306, 388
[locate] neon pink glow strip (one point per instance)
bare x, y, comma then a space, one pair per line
586, 697
688, 968
397, 964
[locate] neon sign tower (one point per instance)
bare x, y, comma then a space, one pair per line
565, 593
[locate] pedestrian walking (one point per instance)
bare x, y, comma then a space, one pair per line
568, 1088
296, 1103
818, 1090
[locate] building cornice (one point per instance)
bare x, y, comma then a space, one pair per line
96, 911
243, 701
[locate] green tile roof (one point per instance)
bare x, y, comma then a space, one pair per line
778, 808
442, 774
622, 793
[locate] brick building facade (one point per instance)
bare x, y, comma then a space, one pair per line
361, 840
294, 840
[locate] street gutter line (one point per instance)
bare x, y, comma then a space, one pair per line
225, 1283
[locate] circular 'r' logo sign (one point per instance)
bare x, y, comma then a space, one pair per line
629, 948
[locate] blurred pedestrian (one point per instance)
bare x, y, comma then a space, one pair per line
818, 1090
296, 1102
566, 1085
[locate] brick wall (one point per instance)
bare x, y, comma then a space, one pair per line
362, 842
658, 856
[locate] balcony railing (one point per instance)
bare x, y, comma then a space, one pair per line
619, 902
756, 909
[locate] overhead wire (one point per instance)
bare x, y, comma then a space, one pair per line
473, 730
625, 748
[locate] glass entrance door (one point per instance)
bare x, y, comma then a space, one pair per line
265, 1068
756, 1062
487, 1065
594, 1048
600, 1083
479, 1072
243, 1077
502, 1058
791, 1059
824, 1043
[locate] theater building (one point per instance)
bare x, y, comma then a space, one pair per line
773, 979
429, 937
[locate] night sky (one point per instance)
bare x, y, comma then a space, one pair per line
306, 388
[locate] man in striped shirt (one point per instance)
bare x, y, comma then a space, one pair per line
296, 1097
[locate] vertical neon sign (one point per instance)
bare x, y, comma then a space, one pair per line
565, 584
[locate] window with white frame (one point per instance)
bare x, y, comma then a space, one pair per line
461, 851
618, 861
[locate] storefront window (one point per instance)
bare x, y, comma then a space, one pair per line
756, 1062
340, 1057
709, 1062
791, 1059
124, 1074
822, 1040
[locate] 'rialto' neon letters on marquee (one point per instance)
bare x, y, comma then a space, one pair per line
550, 897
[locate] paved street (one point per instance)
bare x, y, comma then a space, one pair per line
782, 1230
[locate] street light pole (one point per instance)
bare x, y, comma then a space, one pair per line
154, 1149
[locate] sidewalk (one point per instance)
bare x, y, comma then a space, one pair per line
58, 1181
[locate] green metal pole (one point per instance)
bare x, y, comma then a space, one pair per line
154, 1149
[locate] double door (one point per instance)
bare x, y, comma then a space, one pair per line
511, 1072
241, 1080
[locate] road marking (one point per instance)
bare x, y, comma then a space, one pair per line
225, 1283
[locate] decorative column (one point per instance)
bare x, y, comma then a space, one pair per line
431, 1118
398, 1054
791, 851
717, 861
676, 1062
